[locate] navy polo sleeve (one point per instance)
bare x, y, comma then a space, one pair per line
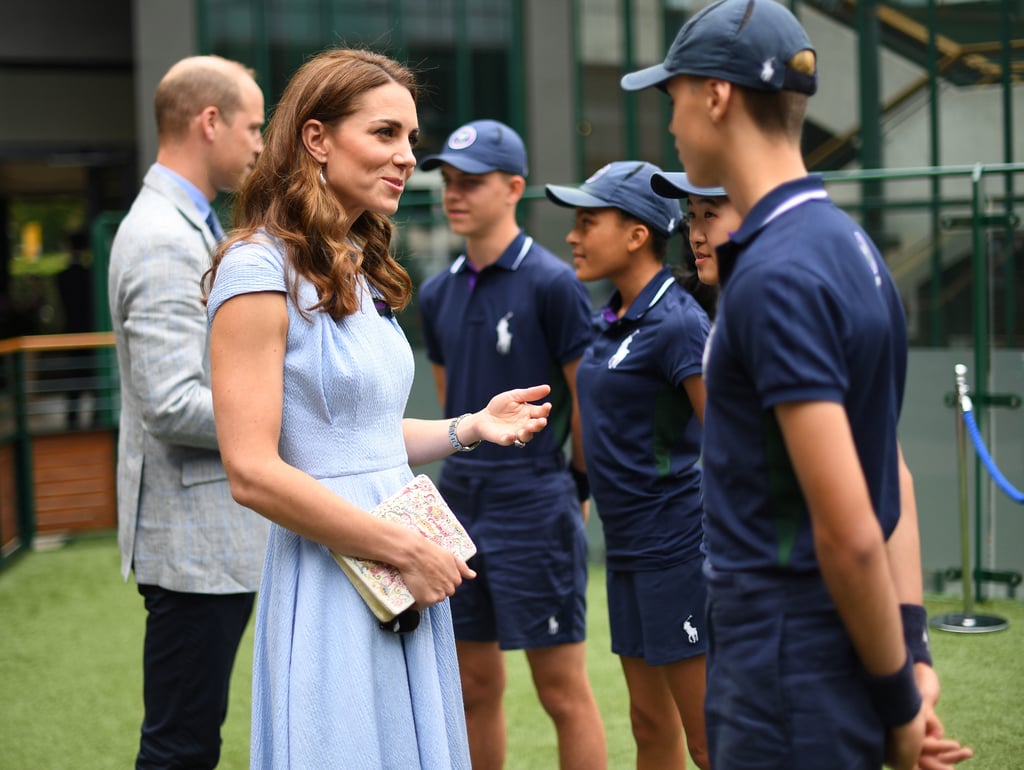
567, 316
683, 341
790, 330
427, 311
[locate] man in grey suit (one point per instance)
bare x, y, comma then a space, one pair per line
197, 555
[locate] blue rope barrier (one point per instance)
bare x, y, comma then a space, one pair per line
972, 427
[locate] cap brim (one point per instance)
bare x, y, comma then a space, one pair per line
678, 185
574, 198
466, 165
641, 79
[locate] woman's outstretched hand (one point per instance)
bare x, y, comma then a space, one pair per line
509, 418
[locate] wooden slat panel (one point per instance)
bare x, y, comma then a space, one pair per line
71, 473
74, 481
8, 498
59, 488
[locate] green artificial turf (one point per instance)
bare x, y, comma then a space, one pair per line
71, 693
71, 664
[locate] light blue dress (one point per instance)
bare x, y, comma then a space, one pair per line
330, 688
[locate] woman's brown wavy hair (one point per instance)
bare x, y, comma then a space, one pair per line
285, 197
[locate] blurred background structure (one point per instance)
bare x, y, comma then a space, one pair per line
918, 126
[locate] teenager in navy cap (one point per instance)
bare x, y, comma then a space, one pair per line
810, 564
509, 311
710, 216
641, 398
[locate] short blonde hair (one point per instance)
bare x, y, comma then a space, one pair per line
192, 85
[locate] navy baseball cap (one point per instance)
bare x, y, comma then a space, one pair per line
481, 147
626, 185
747, 42
676, 184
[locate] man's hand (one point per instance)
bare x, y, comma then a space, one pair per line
903, 748
937, 751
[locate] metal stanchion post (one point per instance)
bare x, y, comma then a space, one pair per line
966, 622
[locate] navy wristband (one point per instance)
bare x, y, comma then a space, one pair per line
582, 484
915, 632
895, 696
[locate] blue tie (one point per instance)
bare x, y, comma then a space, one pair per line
214, 224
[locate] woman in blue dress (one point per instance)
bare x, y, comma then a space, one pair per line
310, 377
641, 399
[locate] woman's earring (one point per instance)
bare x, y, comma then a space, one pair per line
323, 180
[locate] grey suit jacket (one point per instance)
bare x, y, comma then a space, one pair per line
177, 524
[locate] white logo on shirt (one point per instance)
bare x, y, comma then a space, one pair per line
691, 631
504, 334
865, 249
622, 352
707, 350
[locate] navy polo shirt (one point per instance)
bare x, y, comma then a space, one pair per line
641, 436
808, 312
514, 324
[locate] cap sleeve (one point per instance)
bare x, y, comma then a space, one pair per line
246, 268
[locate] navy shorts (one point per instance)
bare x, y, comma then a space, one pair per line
531, 563
658, 615
785, 686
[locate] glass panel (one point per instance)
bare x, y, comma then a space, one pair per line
230, 29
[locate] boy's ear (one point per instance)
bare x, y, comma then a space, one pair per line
718, 95
516, 185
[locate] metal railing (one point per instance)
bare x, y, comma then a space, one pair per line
49, 385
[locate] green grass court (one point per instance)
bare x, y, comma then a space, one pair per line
70, 666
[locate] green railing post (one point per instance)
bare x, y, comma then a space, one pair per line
1010, 310
23, 456
582, 131
629, 98
101, 238
261, 54
463, 67
202, 26
104, 228
870, 114
669, 29
935, 278
399, 42
517, 69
